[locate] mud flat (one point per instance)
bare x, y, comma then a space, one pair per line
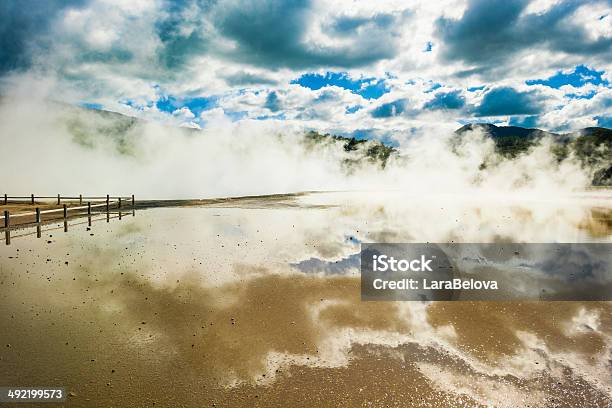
257, 303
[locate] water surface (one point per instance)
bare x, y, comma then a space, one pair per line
258, 303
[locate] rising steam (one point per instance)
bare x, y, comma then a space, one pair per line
52, 148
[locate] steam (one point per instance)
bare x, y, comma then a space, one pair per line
52, 148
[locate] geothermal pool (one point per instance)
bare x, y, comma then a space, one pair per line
257, 303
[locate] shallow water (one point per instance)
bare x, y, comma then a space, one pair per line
258, 303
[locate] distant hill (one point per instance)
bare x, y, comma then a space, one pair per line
87, 125
374, 151
592, 145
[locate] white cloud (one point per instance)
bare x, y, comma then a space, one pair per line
595, 18
540, 6
113, 51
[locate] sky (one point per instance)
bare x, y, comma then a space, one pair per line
369, 69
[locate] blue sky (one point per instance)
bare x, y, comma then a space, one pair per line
580, 76
372, 69
368, 88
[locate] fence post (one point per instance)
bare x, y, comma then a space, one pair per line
58, 199
119, 202
7, 231
80, 199
107, 199
37, 215
65, 211
32, 198
89, 208
132, 200
5, 199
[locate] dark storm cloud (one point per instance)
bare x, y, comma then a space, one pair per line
446, 100
272, 34
390, 109
346, 25
246, 78
508, 101
327, 96
524, 121
178, 44
269, 34
25, 25
272, 102
491, 32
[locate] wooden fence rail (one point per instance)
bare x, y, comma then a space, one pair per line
92, 202
108, 201
31, 198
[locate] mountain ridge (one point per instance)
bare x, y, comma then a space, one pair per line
592, 145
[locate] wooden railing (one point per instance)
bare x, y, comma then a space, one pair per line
32, 198
86, 205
